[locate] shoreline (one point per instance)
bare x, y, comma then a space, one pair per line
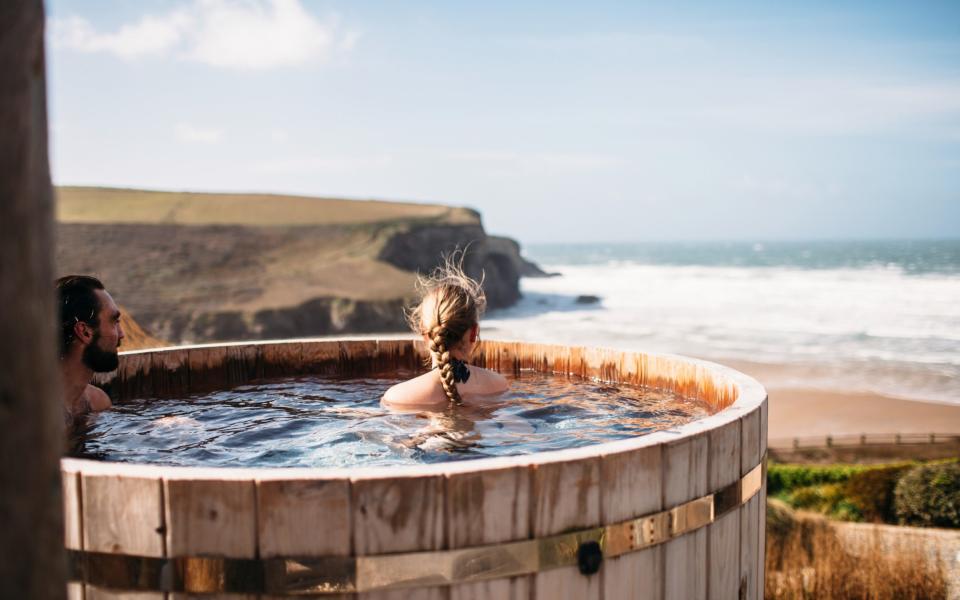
798, 411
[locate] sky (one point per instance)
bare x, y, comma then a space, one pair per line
560, 122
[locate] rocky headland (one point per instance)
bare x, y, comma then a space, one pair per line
216, 267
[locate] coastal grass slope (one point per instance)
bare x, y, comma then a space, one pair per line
131, 206
199, 267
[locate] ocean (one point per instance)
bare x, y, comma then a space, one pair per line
871, 316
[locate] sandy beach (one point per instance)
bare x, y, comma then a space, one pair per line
797, 411
800, 413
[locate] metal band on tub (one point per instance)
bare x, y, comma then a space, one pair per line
344, 574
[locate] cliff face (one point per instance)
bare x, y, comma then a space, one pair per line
496, 260
328, 267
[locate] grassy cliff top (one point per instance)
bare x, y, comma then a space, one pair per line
116, 205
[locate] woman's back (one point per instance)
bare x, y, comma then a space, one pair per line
427, 392
448, 320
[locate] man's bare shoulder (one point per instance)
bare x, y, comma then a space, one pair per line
97, 398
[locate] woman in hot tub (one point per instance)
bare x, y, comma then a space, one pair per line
448, 319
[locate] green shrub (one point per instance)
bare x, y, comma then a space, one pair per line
846, 492
829, 499
870, 492
783, 478
844, 510
809, 498
929, 496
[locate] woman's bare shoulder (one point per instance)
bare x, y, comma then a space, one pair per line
489, 382
419, 392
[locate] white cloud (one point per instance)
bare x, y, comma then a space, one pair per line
149, 36
250, 34
259, 35
196, 135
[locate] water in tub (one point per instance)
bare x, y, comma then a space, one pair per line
329, 422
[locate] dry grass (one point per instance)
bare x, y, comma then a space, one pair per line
805, 560
136, 337
112, 205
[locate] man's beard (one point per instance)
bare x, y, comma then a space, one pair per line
99, 360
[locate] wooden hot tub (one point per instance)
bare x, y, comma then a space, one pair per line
673, 514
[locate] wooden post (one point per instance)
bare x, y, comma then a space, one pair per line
31, 436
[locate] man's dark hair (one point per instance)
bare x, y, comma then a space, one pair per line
77, 300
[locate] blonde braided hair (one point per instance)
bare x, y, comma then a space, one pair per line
451, 303
441, 356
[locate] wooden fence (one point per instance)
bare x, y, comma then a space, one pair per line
864, 439
865, 448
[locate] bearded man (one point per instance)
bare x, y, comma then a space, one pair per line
90, 334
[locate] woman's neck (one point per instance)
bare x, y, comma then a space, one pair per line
458, 354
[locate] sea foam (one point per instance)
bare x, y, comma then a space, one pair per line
877, 328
